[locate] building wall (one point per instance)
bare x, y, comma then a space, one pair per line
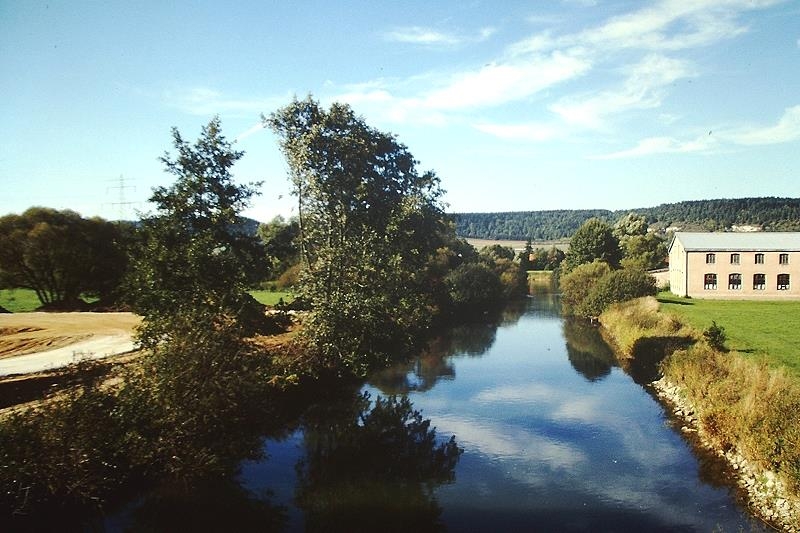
677, 269
697, 267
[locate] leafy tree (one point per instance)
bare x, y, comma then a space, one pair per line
369, 225
640, 249
617, 286
577, 284
644, 252
192, 259
60, 255
593, 240
474, 287
280, 240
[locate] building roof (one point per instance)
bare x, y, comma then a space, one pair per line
749, 242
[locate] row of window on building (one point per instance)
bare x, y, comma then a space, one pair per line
735, 282
758, 259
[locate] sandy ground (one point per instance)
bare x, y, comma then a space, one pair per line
35, 342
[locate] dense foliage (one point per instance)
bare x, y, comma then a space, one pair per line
591, 288
192, 259
62, 256
595, 239
373, 239
771, 214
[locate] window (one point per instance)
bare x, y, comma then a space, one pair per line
711, 259
783, 259
759, 282
783, 282
710, 282
734, 282
734, 259
759, 259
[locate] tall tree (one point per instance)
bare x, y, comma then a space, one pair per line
594, 240
61, 255
193, 258
369, 223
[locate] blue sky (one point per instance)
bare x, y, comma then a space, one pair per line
517, 105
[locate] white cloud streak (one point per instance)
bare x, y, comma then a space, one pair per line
203, 101
787, 129
430, 37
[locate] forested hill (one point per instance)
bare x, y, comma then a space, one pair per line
768, 214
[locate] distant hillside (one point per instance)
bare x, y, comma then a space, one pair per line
768, 214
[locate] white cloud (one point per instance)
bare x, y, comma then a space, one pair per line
786, 130
204, 101
420, 35
249, 131
663, 145
500, 83
431, 37
523, 132
643, 89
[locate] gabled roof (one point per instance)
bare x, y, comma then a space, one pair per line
747, 242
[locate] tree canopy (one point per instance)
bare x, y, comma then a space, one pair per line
369, 224
192, 257
594, 240
61, 255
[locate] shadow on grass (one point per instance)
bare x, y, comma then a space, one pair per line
674, 302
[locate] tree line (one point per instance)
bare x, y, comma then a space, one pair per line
767, 213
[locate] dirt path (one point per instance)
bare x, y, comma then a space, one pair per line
35, 342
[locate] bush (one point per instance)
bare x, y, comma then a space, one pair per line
715, 336
474, 287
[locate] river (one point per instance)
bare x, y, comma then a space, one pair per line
550, 434
555, 437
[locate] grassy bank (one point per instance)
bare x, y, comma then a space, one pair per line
743, 405
760, 329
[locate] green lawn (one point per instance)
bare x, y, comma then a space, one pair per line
24, 300
19, 300
763, 328
271, 297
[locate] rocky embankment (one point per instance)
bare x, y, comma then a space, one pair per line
767, 496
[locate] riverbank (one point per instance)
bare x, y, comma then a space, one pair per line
740, 408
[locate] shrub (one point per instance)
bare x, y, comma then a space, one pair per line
715, 336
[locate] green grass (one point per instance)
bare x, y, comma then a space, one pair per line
19, 300
25, 300
762, 328
271, 297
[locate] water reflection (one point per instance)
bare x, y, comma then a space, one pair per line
221, 506
423, 372
372, 468
587, 352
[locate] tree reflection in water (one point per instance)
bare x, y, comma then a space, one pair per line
373, 468
222, 505
421, 373
587, 351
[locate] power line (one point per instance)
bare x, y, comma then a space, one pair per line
122, 203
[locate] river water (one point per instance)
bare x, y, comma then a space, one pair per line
555, 437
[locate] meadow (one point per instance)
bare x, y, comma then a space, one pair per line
25, 301
767, 329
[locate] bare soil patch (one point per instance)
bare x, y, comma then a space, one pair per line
25, 333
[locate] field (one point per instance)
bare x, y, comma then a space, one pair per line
761, 328
19, 300
518, 246
272, 297
25, 301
